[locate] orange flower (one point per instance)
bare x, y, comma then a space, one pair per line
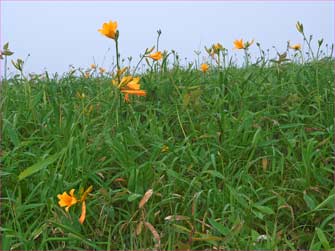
239, 44
66, 200
80, 95
216, 48
93, 66
102, 70
156, 56
109, 29
124, 81
83, 213
134, 84
132, 92
296, 47
204, 68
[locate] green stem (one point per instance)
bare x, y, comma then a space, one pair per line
117, 59
5, 73
309, 46
138, 64
246, 57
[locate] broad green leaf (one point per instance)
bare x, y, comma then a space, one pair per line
309, 201
38, 166
264, 209
219, 227
322, 237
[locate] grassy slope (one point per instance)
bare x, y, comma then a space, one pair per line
256, 160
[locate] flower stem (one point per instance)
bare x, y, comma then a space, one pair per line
117, 59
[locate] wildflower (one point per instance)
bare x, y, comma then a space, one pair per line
216, 48
129, 86
83, 213
164, 149
132, 88
156, 56
83, 205
132, 92
125, 80
93, 66
204, 68
109, 29
102, 70
87, 74
134, 84
88, 110
66, 200
80, 95
239, 44
296, 47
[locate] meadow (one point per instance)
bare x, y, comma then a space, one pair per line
210, 155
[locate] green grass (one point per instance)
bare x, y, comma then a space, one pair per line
250, 153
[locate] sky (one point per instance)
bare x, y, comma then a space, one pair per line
57, 34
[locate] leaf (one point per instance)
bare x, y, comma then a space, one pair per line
322, 238
12, 133
38, 166
215, 173
7, 53
264, 209
309, 201
219, 227
133, 197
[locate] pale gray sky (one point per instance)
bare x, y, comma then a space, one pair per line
57, 34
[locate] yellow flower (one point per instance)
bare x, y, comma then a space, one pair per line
109, 29
93, 66
102, 70
66, 200
164, 149
130, 86
87, 74
218, 46
239, 44
204, 68
156, 56
80, 95
124, 81
296, 47
89, 109
134, 84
